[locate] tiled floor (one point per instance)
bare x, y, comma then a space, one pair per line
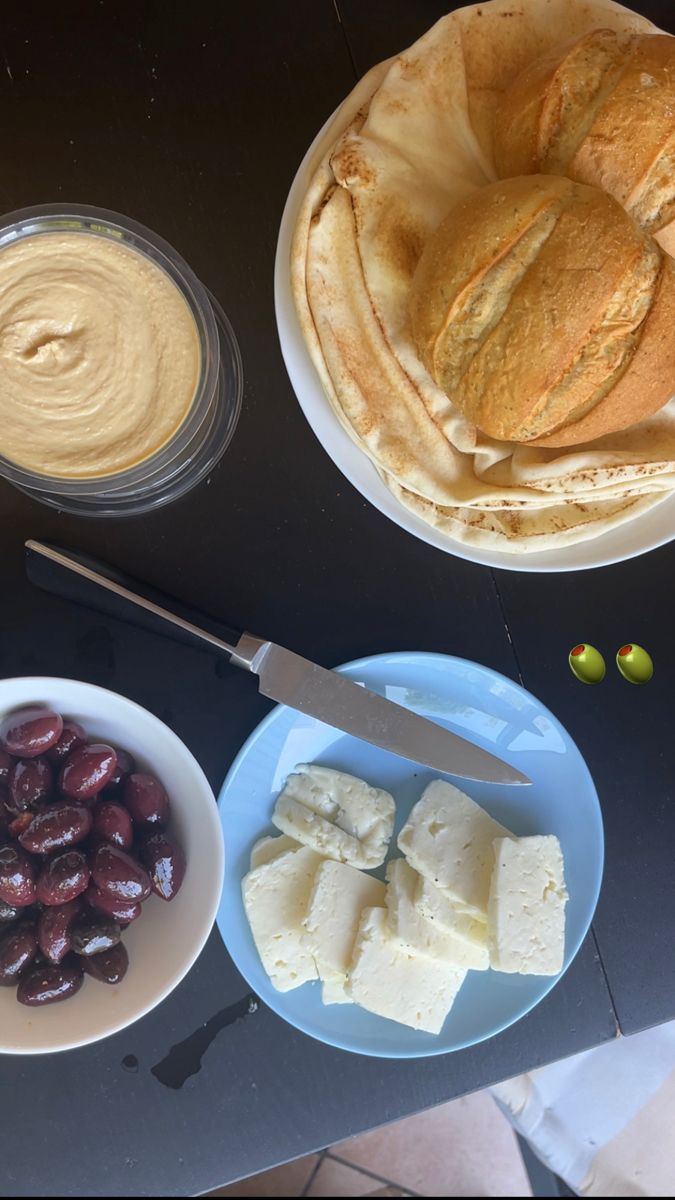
465, 1148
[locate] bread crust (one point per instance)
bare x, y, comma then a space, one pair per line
600, 110
541, 310
647, 385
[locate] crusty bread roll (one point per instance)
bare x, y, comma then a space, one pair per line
545, 313
600, 109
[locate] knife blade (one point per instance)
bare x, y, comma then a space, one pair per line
282, 675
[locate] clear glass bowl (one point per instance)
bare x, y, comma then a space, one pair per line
193, 451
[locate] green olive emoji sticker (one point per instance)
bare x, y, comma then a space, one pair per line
587, 663
634, 663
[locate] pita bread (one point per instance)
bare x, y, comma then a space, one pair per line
414, 137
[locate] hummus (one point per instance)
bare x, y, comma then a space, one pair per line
99, 355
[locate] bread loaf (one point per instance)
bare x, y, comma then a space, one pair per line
544, 312
602, 111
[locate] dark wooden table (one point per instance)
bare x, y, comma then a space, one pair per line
192, 117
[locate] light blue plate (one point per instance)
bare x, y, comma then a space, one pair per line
494, 713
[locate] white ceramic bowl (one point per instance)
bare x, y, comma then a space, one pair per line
165, 941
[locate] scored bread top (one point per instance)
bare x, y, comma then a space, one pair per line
529, 304
602, 111
548, 108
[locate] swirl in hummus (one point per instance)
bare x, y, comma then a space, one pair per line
99, 355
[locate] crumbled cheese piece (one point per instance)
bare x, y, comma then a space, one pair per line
336, 815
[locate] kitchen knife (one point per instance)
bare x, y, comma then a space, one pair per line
283, 675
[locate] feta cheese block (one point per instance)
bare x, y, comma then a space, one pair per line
436, 905
419, 935
339, 895
333, 990
448, 839
393, 983
336, 815
276, 895
526, 910
267, 848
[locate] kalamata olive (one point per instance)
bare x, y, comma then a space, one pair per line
8, 912
165, 861
108, 967
94, 935
63, 878
30, 731
47, 984
72, 735
112, 823
17, 951
118, 874
5, 816
54, 929
19, 824
86, 771
125, 765
123, 911
5, 765
17, 876
146, 800
30, 783
56, 827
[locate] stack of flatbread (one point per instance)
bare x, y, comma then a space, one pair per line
414, 137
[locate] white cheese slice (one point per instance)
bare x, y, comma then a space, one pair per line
436, 904
526, 912
448, 839
336, 815
333, 990
419, 935
267, 848
276, 896
403, 987
339, 895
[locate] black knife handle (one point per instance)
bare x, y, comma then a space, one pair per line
63, 580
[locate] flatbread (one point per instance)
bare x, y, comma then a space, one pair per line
413, 137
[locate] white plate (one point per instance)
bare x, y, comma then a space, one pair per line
646, 532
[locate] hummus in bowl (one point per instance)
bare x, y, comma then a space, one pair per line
120, 376
99, 355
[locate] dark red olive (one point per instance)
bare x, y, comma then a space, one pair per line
72, 735
94, 935
118, 874
17, 951
30, 783
108, 967
124, 911
54, 929
17, 876
147, 801
19, 824
8, 912
87, 770
5, 815
63, 878
166, 863
112, 823
5, 765
125, 765
47, 984
56, 827
30, 731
